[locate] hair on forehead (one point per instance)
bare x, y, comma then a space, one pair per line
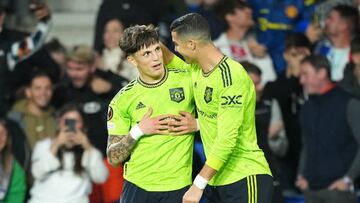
191, 25
138, 37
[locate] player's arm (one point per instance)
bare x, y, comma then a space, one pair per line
167, 54
120, 147
230, 117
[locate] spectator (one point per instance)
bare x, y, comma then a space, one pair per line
64, 166
288, 92
49, 59
206, 8
237, 42
34, 113
113, 58
269, 127
323, 9
130, 12
12, 178
329, 119
92, 89
340, 27
14, 47
275, 21
351, 80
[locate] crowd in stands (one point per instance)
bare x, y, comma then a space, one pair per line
302, 55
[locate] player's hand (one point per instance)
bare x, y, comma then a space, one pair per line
182, 124
193, 195
302, 183
340, 185
156, 125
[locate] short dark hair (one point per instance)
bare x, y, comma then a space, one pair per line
192, 24
224, 7
295, 40
36, 74
355, 45
318, 62
350, 14
251, 68
137, 37
54, 45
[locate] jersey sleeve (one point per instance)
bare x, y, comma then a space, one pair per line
118, 121
231, 112
177, 62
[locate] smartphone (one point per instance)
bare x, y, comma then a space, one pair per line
70, 124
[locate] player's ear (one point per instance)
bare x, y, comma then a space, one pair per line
131, 60
191, 44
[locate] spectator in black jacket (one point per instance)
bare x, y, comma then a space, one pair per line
329, 120
92, 89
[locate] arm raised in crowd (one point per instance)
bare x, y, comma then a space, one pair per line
27, 46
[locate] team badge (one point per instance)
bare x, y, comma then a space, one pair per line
110, 113
291, 11
177, 94
208, 94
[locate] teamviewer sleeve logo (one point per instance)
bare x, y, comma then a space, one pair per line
177, 94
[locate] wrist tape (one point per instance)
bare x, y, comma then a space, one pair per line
136, 132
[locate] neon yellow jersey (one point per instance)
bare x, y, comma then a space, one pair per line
157, 162
225, 100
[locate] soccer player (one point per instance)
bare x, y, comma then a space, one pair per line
157, 165
235, 169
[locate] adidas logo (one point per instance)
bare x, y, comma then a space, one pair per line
140, 105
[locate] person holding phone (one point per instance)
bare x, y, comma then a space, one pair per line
65, 166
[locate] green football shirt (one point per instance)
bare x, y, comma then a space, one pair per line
157, 162
225, 100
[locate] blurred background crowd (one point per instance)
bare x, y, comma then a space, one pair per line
60, 61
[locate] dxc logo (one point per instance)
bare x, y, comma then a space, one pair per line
229, 100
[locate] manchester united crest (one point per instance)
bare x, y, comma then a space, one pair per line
177, 94
208, 94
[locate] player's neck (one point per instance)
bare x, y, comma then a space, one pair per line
209, 57
152, 79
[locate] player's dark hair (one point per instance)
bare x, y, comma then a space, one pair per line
193, 25
137, 37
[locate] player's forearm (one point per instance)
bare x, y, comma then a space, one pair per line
205, 175
207, 172
119, 149
167, 54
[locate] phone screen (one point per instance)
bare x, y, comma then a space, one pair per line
70, 124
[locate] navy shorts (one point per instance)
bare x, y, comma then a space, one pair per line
252, 189
133, 194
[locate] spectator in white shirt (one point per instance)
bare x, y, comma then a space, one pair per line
64, 167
